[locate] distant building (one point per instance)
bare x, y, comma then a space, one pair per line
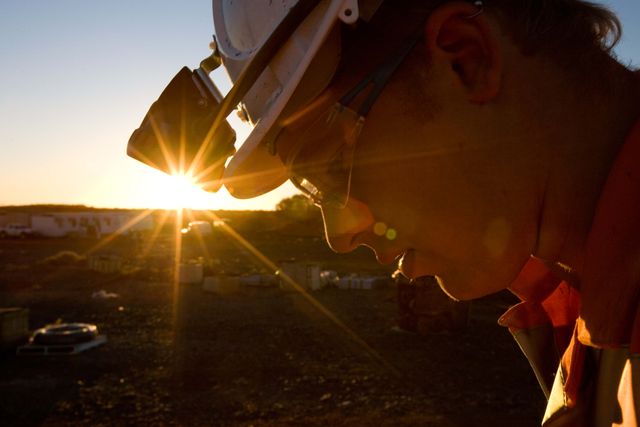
21, 218
85, 223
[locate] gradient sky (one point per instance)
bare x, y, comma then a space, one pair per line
77, 77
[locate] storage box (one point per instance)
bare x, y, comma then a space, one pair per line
14, 325
107, 264
221, 284
303, 274
190, 273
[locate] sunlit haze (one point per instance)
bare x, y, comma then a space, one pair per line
77, 78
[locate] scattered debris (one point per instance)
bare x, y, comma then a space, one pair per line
102, 294
64, 258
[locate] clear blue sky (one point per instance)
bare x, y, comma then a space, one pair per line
77, 77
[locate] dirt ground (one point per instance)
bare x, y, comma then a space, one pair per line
255, 357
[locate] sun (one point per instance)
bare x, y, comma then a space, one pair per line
178, 191
183, 192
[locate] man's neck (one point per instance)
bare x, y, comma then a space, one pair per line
589, 127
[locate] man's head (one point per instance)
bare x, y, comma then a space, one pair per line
449, 167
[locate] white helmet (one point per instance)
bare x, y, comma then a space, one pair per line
280, 55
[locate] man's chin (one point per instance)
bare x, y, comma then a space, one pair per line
413, 265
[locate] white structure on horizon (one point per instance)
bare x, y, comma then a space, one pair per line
91, 224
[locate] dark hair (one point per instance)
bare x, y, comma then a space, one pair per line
564, 29
554, 25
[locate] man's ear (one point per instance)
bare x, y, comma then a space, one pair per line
459, 34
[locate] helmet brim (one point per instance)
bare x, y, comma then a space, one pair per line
309, 67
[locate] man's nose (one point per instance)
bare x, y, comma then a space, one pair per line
342, 225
